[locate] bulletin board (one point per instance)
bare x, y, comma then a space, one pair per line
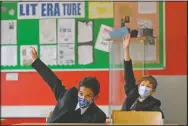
24, 24
144, 14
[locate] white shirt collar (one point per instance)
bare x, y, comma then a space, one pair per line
82, 110
141, 99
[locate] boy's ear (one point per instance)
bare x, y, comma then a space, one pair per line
96, 97
153, 91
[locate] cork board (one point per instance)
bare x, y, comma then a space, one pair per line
153, 53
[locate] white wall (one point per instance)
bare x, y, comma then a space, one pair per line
172, 91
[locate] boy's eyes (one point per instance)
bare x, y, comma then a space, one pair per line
81, 94
142, 84
150, 86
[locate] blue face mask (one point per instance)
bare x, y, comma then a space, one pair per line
84, 103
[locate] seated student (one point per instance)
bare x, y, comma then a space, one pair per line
139, 98
73, 105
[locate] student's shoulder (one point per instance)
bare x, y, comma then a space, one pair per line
155, 105
99, 112
155, 102
73, 89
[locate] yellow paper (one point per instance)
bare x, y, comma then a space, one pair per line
100, 10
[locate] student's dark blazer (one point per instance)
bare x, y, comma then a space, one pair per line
64, 111
131, 91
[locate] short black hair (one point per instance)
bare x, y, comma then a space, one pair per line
92, 83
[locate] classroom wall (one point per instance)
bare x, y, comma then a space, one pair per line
176, 40
172, 88
172, 91
35, 92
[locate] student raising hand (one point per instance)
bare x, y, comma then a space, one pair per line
126, 44
74, 105
139, 96
34, 53
126, 41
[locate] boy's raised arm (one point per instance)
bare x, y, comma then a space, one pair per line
47, 75
129, 78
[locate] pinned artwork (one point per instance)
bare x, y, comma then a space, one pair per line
101, 10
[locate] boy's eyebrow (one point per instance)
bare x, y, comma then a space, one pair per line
91, 95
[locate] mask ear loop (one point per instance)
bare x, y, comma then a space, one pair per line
93, 98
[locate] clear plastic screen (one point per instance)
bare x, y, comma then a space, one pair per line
116, 75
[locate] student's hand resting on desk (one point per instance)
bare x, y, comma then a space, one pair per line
34, 54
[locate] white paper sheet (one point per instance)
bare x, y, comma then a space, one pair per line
48, 54
137, 51
47, 31
85, 31
25, 55
142, 52
147, 7
143, 23
11, 12
11, 76
66, 30
102, 43
151, 50
66, 54
8, 55
8, 32
85, 54
28, 10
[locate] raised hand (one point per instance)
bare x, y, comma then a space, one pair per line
126, 41
34, 53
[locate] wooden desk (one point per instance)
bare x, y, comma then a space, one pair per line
61, 124
74, 124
